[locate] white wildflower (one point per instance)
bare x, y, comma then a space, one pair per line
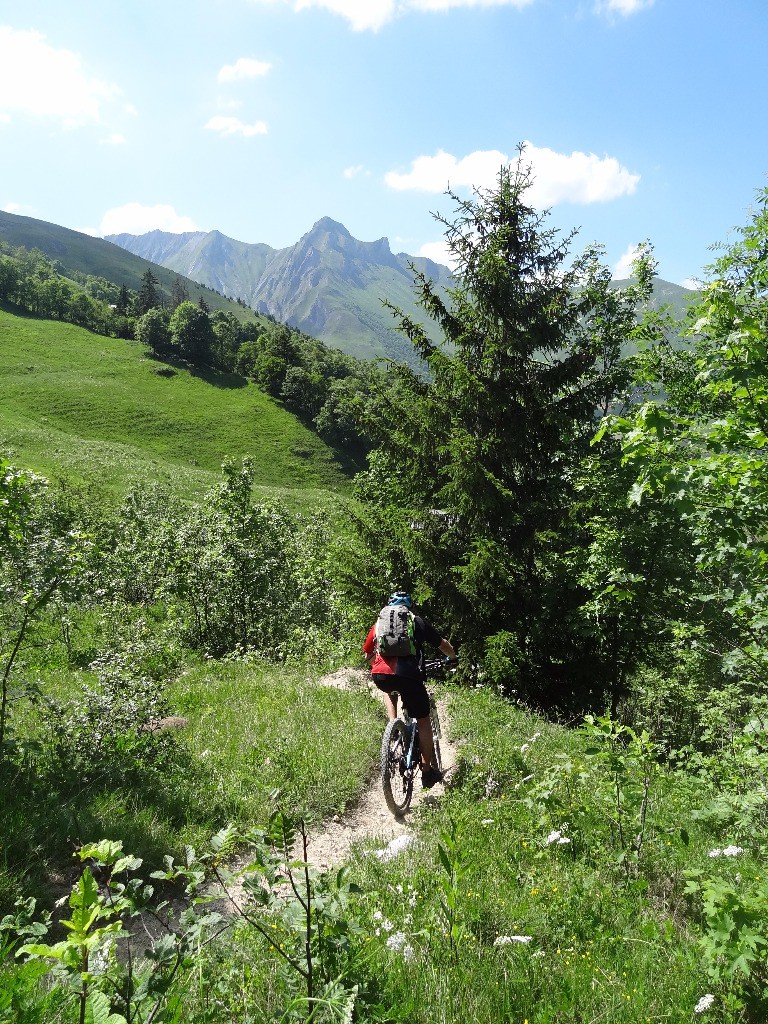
563, 840
377, 915
398, 888
398, 943
704, 1003
554, 837
539, 953
387, 925
394, 848
99, 960
536, 736
527, 778
505, 940
733, 851
487, 821
524, 747
717, 852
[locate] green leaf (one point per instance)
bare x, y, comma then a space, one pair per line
97, 1011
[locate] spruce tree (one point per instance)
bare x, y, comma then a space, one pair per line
474, 468
149, 295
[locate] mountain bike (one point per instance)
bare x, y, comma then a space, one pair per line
400, 750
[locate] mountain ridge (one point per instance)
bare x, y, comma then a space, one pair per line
328, 284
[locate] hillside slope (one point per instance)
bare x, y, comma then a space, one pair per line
79, 252
93, 408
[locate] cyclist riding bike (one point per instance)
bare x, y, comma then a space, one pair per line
403, 674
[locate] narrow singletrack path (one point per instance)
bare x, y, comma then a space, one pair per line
330, 844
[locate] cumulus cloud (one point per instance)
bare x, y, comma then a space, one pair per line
373, 14
623, 268
234, 126
444, 5
557, 177
38, 80
624, 7
438, 252
244, 67
352, 172
692, 283
136, 219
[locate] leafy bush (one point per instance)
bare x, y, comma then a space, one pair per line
111, 731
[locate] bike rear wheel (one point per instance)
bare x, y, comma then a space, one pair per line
396, 776
437, 760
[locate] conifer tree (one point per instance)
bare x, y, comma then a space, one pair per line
149, 295
476, 464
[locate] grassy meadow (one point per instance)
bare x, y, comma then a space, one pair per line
97, 410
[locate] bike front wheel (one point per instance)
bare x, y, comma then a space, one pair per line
396, 776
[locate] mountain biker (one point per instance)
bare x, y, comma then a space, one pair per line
405, 675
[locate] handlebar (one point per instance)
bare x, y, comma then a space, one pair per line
437, 666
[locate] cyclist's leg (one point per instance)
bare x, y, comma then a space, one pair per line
425, 741
416, 699
388, 689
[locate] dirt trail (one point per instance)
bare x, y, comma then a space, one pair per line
370, 818
330, 844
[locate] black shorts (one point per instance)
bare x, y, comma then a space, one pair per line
413, 692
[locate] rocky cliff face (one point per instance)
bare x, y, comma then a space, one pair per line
328, 284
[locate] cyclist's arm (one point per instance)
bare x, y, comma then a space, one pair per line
446, 648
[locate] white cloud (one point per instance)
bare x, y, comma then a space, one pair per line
444, 5
692, 283
12, 208
5, 118
623, 269
353, 172
361, 14
244, 67
557, 177
438, 252
135, 219
625, 7
40, 81
115, 139
373, 14
234, 126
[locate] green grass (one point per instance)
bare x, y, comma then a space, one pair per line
252, 730
603, 946
97, 409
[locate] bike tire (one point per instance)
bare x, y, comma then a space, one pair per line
396, 779
437, 759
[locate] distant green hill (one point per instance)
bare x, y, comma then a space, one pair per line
91, 408
76, 251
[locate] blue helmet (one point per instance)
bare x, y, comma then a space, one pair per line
400, 597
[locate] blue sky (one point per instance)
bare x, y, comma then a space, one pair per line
642, 118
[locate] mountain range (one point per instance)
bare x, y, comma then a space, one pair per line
328, 285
